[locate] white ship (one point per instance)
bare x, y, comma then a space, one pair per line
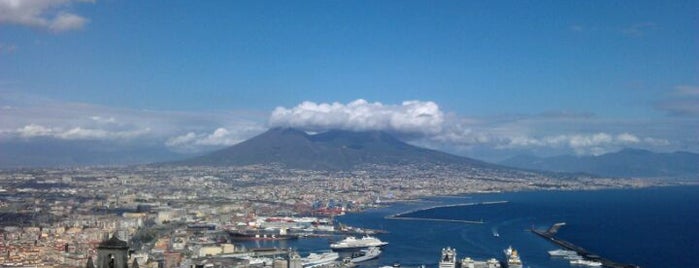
512, 258
315, 259
471, 263
366, 254
352, 242
562, 253
586, 263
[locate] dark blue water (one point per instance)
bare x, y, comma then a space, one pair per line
653, 227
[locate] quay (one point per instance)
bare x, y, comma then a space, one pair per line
550, 235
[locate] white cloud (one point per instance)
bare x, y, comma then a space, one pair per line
53, 15
182, 140
596, 143
77, 133
419, 122
29, 117
410, 117
100, 119
220, 137
628, 138
196, 142
33, 130
559, 131
67, 21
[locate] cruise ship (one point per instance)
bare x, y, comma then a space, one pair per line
352, 243
512, 259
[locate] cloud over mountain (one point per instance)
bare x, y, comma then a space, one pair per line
424, 123
201, 141
419, 122
410, 117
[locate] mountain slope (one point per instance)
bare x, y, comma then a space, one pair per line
332, 150
625, 163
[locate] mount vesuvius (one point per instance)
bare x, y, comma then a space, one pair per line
331, 150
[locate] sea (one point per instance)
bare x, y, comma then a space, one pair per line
648, 227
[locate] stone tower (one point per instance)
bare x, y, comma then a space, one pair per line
294, 260
113, 253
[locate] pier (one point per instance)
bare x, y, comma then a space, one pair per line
550, 235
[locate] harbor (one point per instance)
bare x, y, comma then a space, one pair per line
550, 236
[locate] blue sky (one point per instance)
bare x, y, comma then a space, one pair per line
506, 77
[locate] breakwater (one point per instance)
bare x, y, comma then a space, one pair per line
401, 216
550, 236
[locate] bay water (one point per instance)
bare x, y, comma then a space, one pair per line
649, 227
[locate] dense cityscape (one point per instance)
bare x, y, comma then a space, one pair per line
182, 216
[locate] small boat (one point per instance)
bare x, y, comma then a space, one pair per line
562, 253
366, 254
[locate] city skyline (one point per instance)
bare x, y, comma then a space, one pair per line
482, 79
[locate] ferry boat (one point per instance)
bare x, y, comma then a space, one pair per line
512, 259
352, 242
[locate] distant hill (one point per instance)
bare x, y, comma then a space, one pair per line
332, 150
52, 153
625, 163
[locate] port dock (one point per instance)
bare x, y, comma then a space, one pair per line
550, 236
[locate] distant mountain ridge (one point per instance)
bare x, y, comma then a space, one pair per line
332, 150
52, 153
624, 163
